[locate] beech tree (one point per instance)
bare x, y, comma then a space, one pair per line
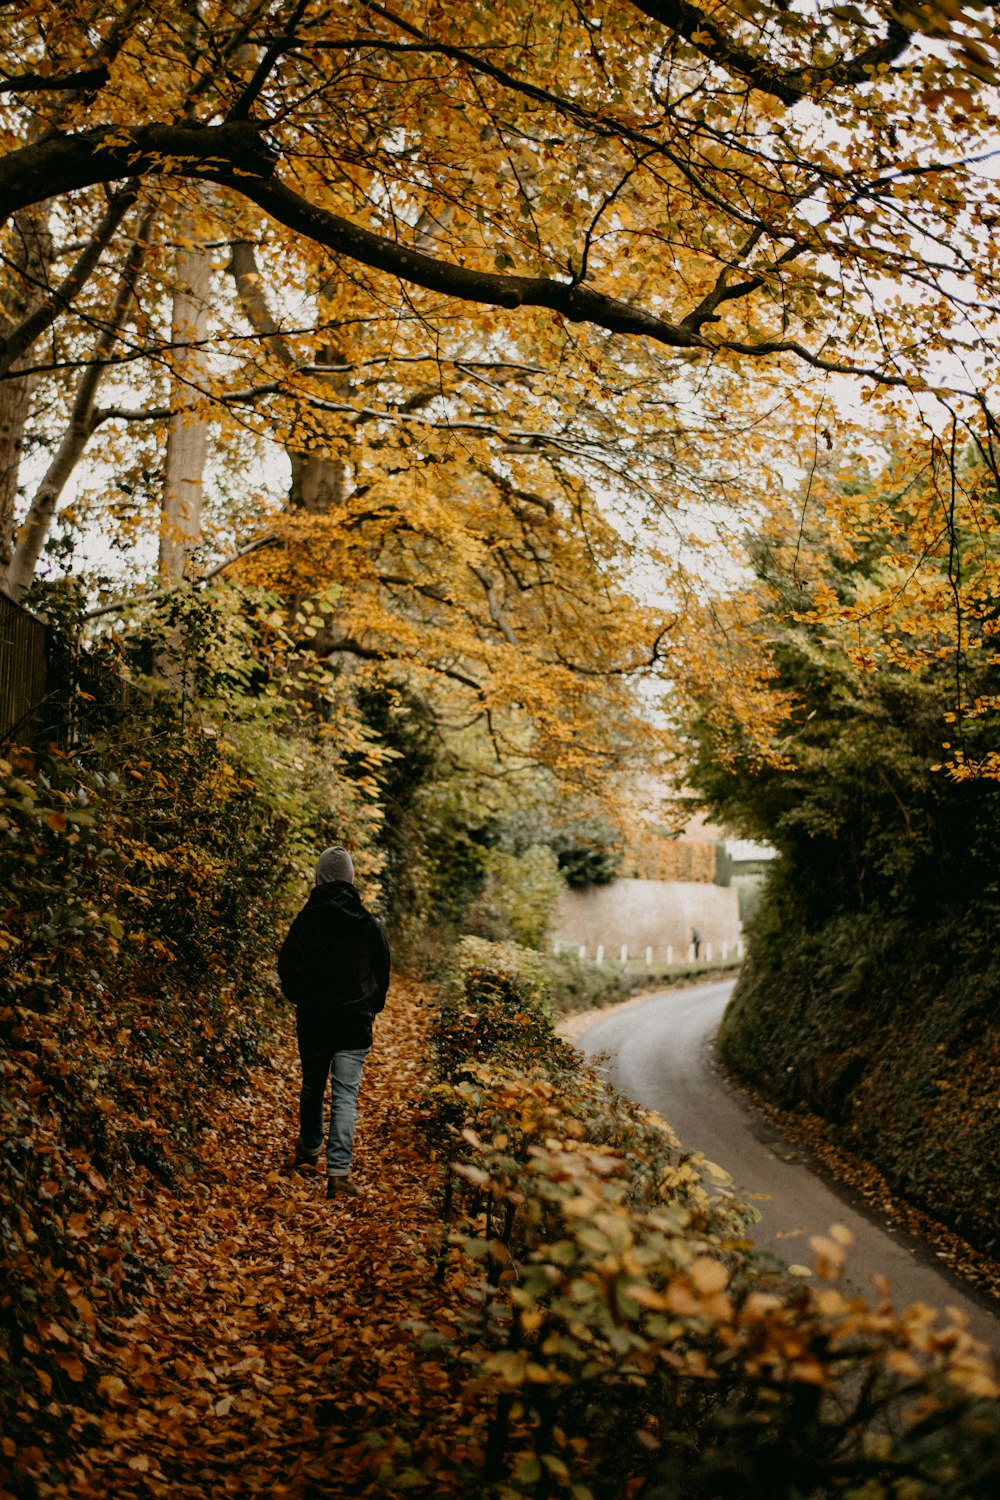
553, 143
517, 258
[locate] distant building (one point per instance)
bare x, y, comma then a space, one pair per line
748, 858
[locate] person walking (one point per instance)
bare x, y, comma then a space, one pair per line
334, 967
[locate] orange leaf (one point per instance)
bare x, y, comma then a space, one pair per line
71, 1365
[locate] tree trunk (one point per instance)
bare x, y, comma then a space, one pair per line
22, 290
318, 480
317, 483
15, 403
187, 432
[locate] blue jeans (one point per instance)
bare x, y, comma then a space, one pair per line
343, 1069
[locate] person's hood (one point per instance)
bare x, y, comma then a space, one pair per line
341, 894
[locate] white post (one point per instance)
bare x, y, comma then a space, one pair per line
600, 953
708, 953
583, 950
690, 953
739, 948
670, 954
649, 957
725, 952
624, 953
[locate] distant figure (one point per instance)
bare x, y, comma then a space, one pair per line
334, 967
696, 941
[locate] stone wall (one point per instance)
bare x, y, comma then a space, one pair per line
641, 914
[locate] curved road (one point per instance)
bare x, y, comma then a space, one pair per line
659, 1053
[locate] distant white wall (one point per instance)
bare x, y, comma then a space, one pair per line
643, 914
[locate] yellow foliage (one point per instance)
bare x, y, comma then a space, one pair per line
532, 296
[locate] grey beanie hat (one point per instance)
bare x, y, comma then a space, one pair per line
334, 864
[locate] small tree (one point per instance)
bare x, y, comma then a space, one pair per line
520, 897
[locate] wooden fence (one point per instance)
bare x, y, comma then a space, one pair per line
52, 692
26, 689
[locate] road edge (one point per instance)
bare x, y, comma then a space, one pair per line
851, 1176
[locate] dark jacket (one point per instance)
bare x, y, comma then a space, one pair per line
334, 967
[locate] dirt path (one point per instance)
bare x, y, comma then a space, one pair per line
275, 1354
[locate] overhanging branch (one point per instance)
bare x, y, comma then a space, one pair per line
234, 156
152, 595
716, 43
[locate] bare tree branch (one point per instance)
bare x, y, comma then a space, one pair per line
787, 84
246, 275
57, 299
235, 156
494, 606
31, 538
91, 78
151, 595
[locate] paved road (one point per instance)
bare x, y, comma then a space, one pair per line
660, 1054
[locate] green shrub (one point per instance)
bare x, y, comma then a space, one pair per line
891, 1035
519, 898
136, 949
590, 851
871, 989
578, 983
496, 1003
605, 1295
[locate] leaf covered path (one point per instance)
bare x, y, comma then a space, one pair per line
275, 1353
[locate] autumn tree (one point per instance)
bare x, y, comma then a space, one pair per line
844, 727
662, 226
867, 728
355, 128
